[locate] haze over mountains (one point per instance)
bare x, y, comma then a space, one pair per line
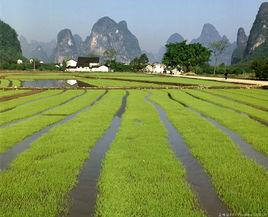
108, 34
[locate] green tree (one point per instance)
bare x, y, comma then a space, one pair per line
217, 48
186, 55
260, 67
139, 63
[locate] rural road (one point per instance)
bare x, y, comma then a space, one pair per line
229, 80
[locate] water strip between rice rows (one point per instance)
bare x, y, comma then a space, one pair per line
196, 176
245, 147
83, 196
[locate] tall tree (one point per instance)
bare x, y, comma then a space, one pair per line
186, 55
217, 48
139, 63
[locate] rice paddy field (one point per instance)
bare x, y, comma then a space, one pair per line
129, 144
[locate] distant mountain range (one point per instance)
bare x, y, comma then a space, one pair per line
256, 45
39, 50
106, 34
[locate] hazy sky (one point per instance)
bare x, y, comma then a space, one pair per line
152, 21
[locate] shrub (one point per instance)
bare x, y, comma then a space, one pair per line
260, 67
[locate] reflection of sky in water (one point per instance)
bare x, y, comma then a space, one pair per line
48, 83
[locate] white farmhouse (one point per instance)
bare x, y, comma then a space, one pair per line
19, 61
100, 69
71, 64
156, 68
87, 64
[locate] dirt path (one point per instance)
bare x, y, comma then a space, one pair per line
229, 80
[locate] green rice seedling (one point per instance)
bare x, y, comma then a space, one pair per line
10, 136
115, 83
251, 131
38, 182
7, 105
240, 182
141, 175
252, 93
244, 99
36, 107
240, 107
177, 80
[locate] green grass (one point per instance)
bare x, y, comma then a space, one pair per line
240, 182
251, 131
36, 107
4, 83
16, 83
140, 174
244, 99
40, 76
10, 136
115, 83
254, 112
124, 75
39, 180
27, 99
157, 78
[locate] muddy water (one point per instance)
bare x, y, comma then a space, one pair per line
246, 148
83, 196
28, 118
7, 157
197, 177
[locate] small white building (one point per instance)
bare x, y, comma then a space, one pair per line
86, 64
156, 68
71, 64
100, 69
19, 62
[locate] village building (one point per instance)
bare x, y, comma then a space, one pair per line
71, 64
19, 62
158, 68
86, 64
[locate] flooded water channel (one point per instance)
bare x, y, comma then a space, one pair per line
54, 84
84, 195
196, 176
